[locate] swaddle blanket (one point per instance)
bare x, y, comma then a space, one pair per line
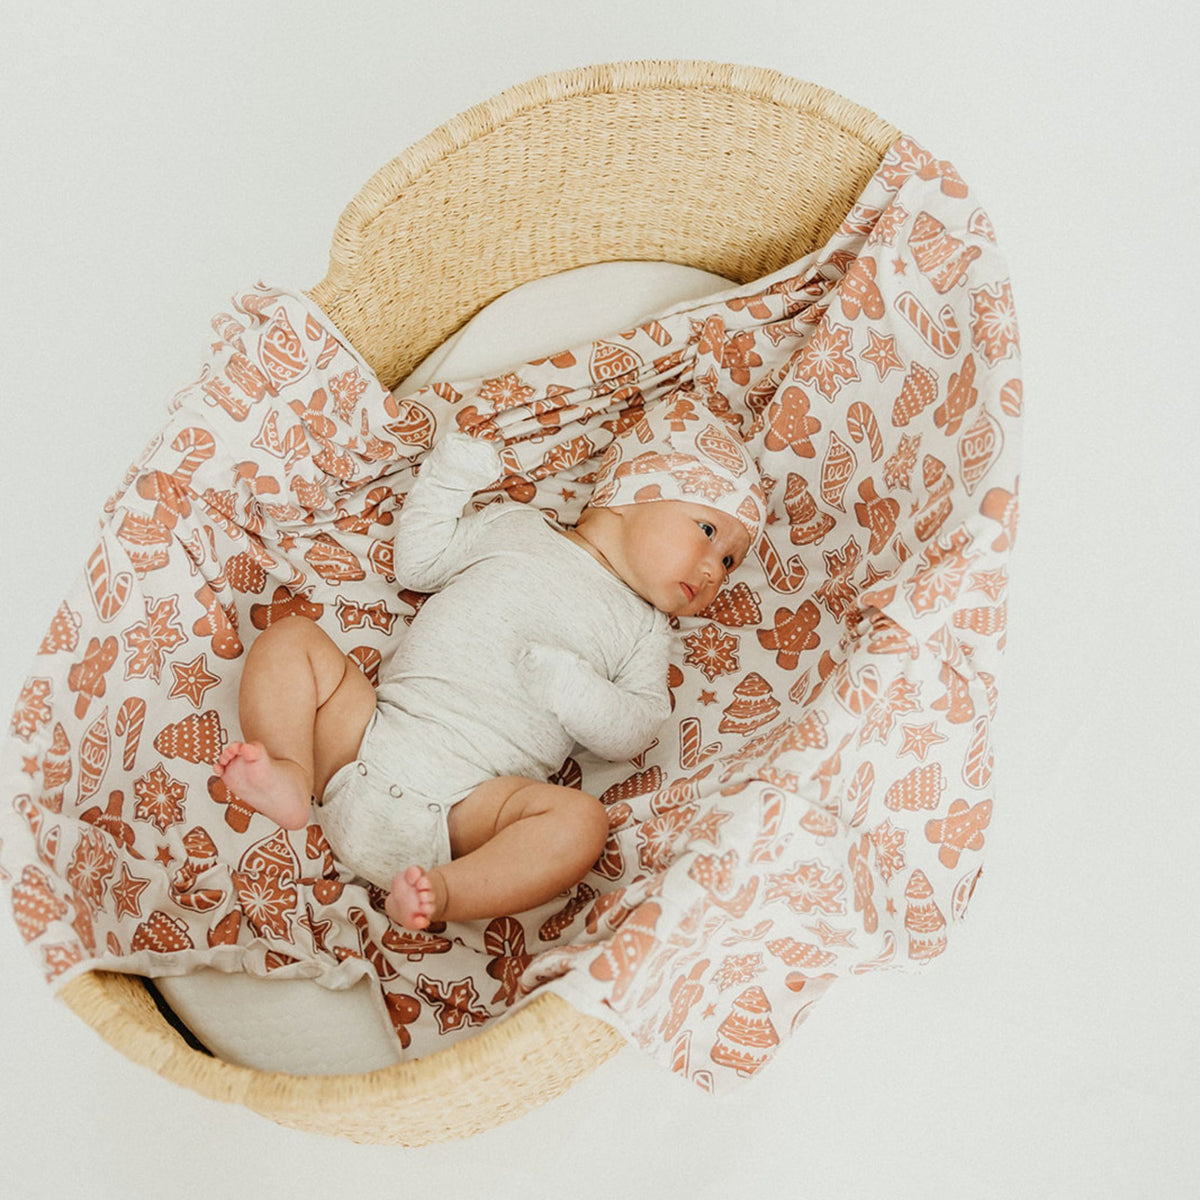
818, 803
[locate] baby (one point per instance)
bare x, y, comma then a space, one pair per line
435, 785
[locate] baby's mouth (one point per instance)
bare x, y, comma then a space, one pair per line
691, 595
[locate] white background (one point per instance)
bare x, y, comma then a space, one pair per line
159, 156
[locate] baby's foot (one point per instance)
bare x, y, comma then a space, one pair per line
277, 788
413, 899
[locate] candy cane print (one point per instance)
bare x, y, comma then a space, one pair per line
370, 950
1010, 398
862, 424
109, 590
197, 446
656, 332
131, 717
979, 762
856, 694
691, 752
446, 392
784, 578
859, 793
768, 846
943, 338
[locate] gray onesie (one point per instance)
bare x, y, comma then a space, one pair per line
527, 646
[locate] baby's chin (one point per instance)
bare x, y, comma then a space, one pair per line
666, 608
680, 607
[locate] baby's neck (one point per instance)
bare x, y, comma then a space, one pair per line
581, 540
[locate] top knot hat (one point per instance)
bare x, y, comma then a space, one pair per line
683, 450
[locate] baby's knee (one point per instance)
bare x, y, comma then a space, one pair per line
592, 817
292, 636
284, 632
293, 628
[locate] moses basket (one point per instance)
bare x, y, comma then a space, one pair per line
549, 176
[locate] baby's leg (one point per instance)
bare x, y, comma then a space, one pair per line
303, 707
516, 843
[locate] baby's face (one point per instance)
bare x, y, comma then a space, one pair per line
677, 555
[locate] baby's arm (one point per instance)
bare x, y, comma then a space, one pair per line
614, 719
432, 534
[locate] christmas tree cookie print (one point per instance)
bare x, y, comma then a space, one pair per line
196, 739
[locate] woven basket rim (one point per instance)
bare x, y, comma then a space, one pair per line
439, 1093
635, 75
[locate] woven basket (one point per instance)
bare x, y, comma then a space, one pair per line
730, 169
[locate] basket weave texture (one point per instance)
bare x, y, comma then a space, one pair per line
731, 169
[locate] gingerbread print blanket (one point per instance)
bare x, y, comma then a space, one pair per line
817, 806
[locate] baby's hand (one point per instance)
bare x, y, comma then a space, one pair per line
549, 672
464, 461
467, 448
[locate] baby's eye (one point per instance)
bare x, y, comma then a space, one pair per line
710, 532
